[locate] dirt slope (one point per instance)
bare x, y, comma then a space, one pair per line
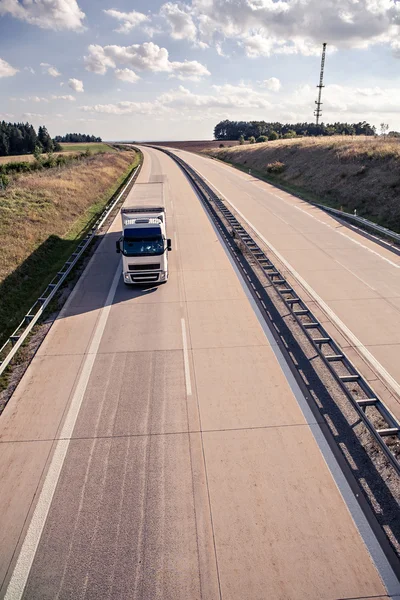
351, 173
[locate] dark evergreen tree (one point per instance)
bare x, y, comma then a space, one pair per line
76, 138
45, 139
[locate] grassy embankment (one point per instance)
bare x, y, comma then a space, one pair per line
66, 149
43, 215
348, 173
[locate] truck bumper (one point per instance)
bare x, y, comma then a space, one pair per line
143, 277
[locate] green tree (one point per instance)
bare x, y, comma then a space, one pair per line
261, 138
241, 140
273, 136
252, 139
45, 139
289, 134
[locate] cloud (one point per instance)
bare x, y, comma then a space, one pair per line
6, 70
32, 71
181, 100
66, 97
47, 14
129, 20
273, 84
30, 115
144, 57
34, 99
76, 85
180, 21
266, 27
126, 75
125, 108
50, 70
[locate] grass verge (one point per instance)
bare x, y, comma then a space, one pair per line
343, 173
43, 216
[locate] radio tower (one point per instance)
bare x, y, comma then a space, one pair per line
318, 111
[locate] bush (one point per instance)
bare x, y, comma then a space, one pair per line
222, 145
4, 181
241, 140
273, 136
276, 167
290, 134
261, 138
252, 140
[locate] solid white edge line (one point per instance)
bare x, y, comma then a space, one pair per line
374, 549
27, 553
186, 359
345, 330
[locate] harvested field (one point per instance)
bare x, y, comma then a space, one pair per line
42, 216
66, 149
360, 173
82, 147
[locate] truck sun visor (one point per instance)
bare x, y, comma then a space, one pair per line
142, 233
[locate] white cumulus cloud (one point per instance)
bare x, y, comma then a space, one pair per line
76, 85
6, 70
144, 57
47, 14
126, 75
266, 27
179, 20
273, 84
50, 70
128, 20
65, 97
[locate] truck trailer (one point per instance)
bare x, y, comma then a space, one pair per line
144, 245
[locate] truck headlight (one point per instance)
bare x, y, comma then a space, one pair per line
162, 276
127, 277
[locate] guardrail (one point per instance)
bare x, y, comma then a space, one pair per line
350, 380
15, 341
361, 221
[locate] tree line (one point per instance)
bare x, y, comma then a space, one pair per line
77, 138
21, 138
244, 130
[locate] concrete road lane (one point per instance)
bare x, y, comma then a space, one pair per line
358, 280
190, 470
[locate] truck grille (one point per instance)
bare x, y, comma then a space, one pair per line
145, 278
146, 267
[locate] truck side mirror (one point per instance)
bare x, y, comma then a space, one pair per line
169, 245
118, 247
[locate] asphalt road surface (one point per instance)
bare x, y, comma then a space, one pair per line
158, 446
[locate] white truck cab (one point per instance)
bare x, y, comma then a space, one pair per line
144, 245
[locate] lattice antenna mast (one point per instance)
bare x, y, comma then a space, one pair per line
318, 111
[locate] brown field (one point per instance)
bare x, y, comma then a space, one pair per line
66, 149
196, 146
25, 157
360, 173
42, 215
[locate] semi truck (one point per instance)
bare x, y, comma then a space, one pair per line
144, 244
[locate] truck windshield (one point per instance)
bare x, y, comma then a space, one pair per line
140, 241
143, 247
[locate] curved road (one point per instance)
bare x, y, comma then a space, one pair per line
158, 446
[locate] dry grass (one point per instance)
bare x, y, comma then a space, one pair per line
360, 173
26, 157
42, 215
94, 148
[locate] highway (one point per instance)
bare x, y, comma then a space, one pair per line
158, 446
353, 279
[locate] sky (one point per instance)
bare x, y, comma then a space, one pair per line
150, 70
